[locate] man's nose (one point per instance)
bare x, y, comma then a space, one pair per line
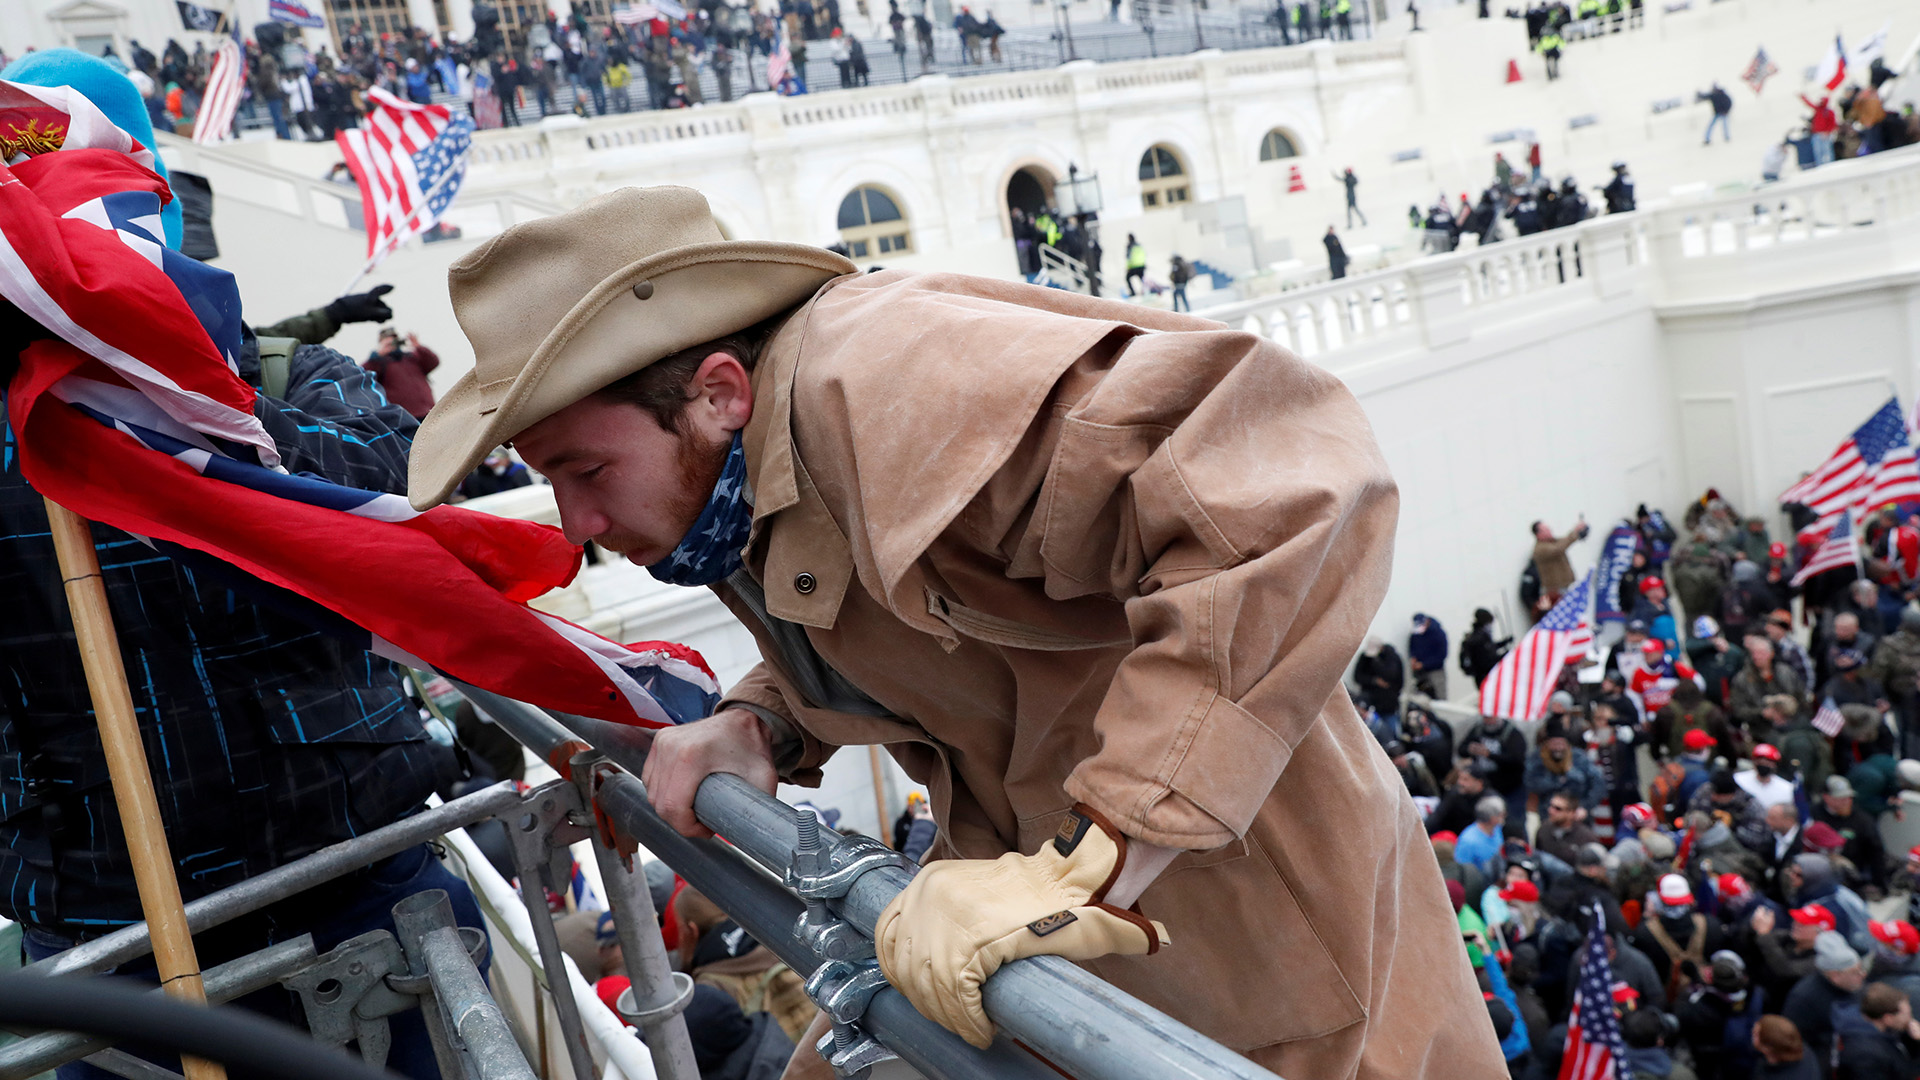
579, 520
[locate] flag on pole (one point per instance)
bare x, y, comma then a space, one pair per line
409, 161
204, 19
292, 11
778, 65
1833, 69
1759, 70
1873, 467
1594, 1047
486, 104
1521, 684
1616, 557
134, 416
1837, 550
1862, 56
225, 83
1828, 718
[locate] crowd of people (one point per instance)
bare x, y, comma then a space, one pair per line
1854, 122
1521, 201
1710, 779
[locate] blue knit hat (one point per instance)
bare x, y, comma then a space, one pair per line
112, 93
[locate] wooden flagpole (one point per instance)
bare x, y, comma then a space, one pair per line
127, 766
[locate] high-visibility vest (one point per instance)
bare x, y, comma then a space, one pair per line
1136, 257
1343, 7
1549, 40
1049, 229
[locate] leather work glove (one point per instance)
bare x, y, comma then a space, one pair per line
361, 307
959, 920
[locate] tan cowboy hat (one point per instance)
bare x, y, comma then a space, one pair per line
561, 307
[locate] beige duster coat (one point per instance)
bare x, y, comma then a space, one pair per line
1081, 550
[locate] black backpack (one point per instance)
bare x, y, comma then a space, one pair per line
1530, 585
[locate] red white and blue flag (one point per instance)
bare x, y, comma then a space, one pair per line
133, 415
409, 161
1836, 551
1522, 683
292, 11
1594, 1047
1873, 468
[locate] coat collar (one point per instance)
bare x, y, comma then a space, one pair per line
806, 576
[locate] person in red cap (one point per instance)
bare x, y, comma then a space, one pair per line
1696, 750
1652, 609
1786, 951
1677, 934
1763, 781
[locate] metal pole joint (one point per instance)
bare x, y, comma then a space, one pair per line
630, 1011
843, 990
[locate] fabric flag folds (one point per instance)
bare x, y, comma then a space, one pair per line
1836, 551
1833, 68
130, 414
1595, 1047
1521, 684
409, 161
1759, 70
1616, 558
225, 82
292, 11
1873, 467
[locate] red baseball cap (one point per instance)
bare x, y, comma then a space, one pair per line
1821, 837
1698, 739
1446, 835
1521, 890
1650, 583
1732, 886
1899, 936
1624, 994
1767, 751
1777, 550
1813, 914
1914, 852
1653, 646
1639, 815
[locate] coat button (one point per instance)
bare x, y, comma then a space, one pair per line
804, 583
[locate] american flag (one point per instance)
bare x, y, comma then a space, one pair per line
1759, 71
133, 415
1837, 550
1523, 681
635, 14
225, 84
779, 64
1827, 718
409, 161
1875, 466
1594, 1046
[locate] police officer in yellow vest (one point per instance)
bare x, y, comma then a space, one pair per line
1549, 48
1136, 266
1343, 15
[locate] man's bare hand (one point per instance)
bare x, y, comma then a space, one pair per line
730, 741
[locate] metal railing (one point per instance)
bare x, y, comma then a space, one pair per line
809, 895
1069, 1018
1063, 269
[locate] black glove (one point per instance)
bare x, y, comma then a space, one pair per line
361, 307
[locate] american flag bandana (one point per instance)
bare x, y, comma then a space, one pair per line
133, 414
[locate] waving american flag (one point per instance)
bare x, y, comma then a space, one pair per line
1874, 467
1594, 1044
1522, 683
409, 161
131, 412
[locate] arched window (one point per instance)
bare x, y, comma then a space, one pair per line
1163, 179
1278, 144
871, 224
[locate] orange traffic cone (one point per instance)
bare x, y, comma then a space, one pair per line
1295, 184
1513, 71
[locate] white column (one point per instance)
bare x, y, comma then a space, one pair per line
420, 12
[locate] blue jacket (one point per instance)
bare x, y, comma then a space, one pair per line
1429, 648
1696, 776
1515, 1045
1478, 850
1582, 780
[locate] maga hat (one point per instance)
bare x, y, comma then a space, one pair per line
561, 307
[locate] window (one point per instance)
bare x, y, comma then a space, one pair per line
1163, 180
871, 224
1278, 144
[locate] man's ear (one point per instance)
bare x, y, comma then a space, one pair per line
723, 392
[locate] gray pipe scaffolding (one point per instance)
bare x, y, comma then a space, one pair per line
1079, 1023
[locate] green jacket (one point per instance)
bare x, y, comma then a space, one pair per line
313, 328
1806, 753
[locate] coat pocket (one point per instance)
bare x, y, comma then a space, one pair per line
1246, 967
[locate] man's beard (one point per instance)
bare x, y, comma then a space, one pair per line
699, 462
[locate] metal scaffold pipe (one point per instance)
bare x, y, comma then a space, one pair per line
1080, 1023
